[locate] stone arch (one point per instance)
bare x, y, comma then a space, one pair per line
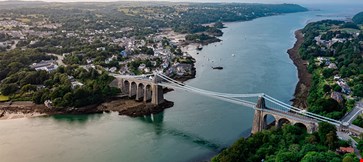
282, 121
268, 121
133, 89
302, 126
126, 87
148, 93
140, 92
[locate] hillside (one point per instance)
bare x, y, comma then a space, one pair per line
358, 18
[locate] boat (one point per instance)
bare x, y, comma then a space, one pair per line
217, 67
199, 48
233, 55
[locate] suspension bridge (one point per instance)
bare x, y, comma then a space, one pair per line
149, 88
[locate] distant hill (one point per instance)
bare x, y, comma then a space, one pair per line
358, 18
20, 4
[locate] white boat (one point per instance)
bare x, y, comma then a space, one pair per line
233, 55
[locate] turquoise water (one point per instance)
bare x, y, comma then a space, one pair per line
196, 127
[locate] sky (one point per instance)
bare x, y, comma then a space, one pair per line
242, 1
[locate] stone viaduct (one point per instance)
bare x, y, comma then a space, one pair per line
146, 90
262, 112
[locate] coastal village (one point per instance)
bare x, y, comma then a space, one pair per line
133, 57
112, 51
105, 52
70, 67
329, 63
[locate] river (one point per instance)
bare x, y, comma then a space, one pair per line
196, 127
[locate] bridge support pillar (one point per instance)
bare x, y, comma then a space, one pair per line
158, 94
145, 98
312, 127
130, 91
258, 119
140, 93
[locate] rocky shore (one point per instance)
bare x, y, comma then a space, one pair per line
129, 107
304, 83
133, 108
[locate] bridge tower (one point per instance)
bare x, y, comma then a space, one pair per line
258, 119
158, 94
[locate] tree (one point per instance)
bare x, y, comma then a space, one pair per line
331, 139
358, 121
28, 87
351, 157
311, 139
323, 131
287, 157
360, 145
358, 90
218, 25
313, 157
8, 89
337, 88
327, 72
348, 159
326, 88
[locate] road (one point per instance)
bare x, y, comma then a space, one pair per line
59, 60
345, 136
354, 113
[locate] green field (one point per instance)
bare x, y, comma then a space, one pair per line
4, 98
350, 31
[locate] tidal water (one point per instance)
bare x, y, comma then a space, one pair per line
197, 127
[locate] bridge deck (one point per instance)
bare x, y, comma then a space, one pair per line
291, 115
234, 98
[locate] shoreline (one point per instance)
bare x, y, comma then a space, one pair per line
129, 107
302, 86
304, 77
125, 106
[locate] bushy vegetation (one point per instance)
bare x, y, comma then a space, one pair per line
17, 60
59, 90
20, 82
146, 19
290, 143
201, 38
358, 121
320, 102
346, 55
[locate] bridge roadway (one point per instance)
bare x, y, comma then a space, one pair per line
139, 79
290, 115
253, 106
273, 111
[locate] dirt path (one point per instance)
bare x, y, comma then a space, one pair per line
59, 60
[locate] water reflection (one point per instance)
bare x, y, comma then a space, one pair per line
157, 121
76, 119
